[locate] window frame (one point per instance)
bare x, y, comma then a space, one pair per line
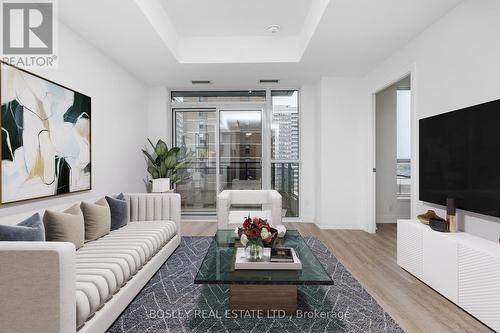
294, 161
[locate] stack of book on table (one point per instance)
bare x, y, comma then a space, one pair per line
274, 259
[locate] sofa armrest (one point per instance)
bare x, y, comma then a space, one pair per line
175, 204
274, 195
223, 205
225, 196
155, 207
276, 206
37, 287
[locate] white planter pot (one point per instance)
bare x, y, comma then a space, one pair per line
160, 185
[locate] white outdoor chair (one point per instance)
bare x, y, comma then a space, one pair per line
268, 203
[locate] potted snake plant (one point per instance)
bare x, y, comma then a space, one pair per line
164, 165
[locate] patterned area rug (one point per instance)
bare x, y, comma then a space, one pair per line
170, 302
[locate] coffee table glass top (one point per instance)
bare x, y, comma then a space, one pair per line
218, 265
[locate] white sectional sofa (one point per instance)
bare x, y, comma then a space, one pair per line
48, 287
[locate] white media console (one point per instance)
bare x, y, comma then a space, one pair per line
462, 267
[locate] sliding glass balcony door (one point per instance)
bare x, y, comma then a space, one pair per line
225, 150
240, 150
195, 133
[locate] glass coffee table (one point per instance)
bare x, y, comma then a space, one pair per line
260, 289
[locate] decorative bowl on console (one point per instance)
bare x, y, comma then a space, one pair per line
425, 218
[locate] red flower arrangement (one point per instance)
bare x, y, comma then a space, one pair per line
254, 230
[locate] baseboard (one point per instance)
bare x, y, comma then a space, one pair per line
344, 227
389, 219
188, 220
112, 309
293, 220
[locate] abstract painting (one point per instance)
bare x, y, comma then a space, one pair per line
46, 141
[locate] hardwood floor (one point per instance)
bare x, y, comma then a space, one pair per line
371, 258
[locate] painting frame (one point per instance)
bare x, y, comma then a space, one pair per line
6, 66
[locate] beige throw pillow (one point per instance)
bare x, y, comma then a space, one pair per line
67, 226
97, 219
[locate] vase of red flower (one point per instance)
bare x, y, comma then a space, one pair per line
253, 234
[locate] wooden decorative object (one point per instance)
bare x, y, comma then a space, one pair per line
424, 218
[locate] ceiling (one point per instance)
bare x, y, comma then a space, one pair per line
171, 42
195, 18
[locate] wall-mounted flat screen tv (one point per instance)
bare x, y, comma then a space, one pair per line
459, 157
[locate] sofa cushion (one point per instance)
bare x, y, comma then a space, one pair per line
152, 241
127, 260
114, 259
30, 229
119, 211
162, 230
99, 282
82, 308
97, 218
111, 247
144, 247
115, 268
91, 293
67, 226
106, 274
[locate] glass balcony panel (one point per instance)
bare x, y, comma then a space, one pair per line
285, 125
240, 149
195, 133
404, 177
285, 179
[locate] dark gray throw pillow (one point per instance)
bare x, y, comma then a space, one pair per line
119, 211
30, 229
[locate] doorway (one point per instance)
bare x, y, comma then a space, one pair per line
393, 152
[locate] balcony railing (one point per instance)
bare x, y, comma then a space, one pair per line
404, 177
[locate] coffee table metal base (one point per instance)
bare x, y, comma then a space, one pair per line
266, 297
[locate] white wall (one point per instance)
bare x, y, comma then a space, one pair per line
118, 124
340, 157
317, 153
159, 121
308, 141
454, 64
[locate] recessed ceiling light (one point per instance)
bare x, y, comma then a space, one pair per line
273, 28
